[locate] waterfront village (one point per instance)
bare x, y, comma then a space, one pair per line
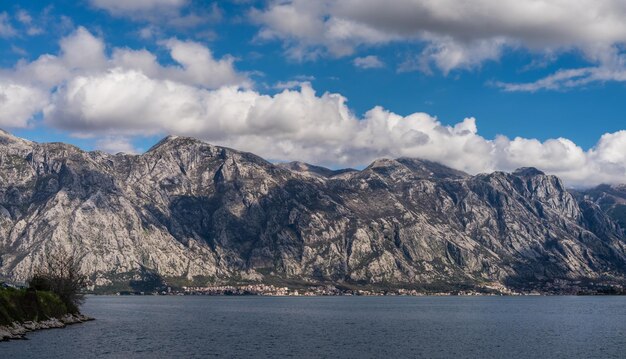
556, 288
322, 290
271, 290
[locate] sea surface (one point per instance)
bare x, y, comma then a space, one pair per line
330, 327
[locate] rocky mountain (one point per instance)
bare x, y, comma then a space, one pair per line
192, 212
610, 198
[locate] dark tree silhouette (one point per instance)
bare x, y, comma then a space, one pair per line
62, 275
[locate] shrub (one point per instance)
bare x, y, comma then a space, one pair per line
62, 276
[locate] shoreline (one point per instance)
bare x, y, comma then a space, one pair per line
350, 295
338, 290
18, 331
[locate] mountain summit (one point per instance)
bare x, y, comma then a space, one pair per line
199, 213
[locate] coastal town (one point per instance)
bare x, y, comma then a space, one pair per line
260, 289
271, 290
309, 291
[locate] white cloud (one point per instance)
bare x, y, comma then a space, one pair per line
556, 155
130, 94
537, 23
306, 29
290, 124
82, 50
567, 79
200, 67
300, 125
18, 103
116, 144
448, 54
6, 29
291, 84
137, 7
18, 50
26, 87
148, 32
453, 34
196, 65
120, 101
177, 13
24, 17
368, 62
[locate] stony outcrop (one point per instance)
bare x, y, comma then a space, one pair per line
187, 209
19, 330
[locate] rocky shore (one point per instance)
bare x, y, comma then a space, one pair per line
19, 330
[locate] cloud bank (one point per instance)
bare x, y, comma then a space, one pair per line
129, 94
455, 34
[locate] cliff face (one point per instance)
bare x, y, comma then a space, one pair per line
610, 198
189, 209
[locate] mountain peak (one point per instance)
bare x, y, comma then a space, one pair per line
384, 162
174, 140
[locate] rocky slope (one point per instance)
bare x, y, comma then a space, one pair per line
187, 209
610, 198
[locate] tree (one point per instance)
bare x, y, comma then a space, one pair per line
62, 275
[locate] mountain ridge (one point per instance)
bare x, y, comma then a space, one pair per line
189, 211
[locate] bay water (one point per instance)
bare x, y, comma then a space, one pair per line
329, 327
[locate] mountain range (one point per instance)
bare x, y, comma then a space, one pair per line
189, 212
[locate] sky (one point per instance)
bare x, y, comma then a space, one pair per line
477, 85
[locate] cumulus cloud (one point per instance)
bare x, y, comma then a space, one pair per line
25, 88
199, 66
282, 85
291, 124
130, 94
452, 34
368, 62
306, 29
18, 103
82, 52
302, 125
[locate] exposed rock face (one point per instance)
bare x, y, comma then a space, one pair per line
611, 198
189, 209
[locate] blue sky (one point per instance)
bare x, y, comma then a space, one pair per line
540, 84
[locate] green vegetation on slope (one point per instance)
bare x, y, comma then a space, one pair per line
21, 305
